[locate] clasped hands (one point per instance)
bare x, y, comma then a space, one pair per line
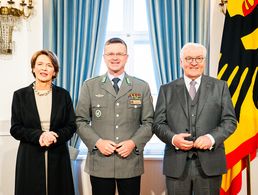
203, 142
47, 138
108, 147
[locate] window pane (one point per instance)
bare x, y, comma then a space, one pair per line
115, 16
143, 66
140, 16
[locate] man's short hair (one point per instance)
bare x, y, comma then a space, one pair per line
116, 40
191, 44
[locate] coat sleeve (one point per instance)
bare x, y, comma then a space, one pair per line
66, 127
144, 133
228, 122
160, 126
83, 118
18, 129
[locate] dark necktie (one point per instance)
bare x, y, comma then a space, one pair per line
192, 89
116, 80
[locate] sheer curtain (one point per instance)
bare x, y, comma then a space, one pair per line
172, 23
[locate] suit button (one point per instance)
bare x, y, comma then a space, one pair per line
117, 103
117, 138
116, 126
117, 115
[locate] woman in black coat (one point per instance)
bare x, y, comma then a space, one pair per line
43, 120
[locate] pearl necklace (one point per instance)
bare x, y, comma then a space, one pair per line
40, 93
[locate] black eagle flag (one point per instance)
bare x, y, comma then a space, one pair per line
239, 66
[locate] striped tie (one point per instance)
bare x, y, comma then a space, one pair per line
192, 89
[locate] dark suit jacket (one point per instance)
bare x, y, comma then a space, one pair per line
215, 116
26, 127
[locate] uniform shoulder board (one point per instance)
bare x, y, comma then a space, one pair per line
92, 78
136, 78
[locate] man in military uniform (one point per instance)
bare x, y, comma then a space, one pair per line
114, 119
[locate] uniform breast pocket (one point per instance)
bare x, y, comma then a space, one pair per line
134, 110
99, 110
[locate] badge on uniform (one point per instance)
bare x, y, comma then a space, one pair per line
99, 95
135, 102
98, 113
135, 98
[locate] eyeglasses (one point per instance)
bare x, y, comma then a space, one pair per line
111, 55
191, 59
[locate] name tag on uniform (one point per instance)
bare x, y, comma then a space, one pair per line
135, 102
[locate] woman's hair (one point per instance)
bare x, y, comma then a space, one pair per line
53, 58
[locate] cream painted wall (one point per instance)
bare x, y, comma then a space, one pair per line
15, 73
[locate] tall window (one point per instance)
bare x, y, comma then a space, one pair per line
127, 19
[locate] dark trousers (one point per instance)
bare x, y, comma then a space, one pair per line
194, 181
107, 186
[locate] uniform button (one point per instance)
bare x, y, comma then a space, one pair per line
117, 115
117, 103
98, 105
135, 106
193, 115
116, 126
117, 138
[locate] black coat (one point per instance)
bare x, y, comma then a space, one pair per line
25, 126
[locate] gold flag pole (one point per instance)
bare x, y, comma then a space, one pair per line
248, 175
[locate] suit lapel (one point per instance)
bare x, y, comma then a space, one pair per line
204, 91
182, 96
31, 98
55, 103
106, 85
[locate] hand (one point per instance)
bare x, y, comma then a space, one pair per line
125, 148
180, 141
203, 143
47, 138
106, 147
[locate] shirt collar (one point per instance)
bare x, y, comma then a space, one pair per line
188, 80
121, 76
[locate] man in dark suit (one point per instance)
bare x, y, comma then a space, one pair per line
115, 122
194, 115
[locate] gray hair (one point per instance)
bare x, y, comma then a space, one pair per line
191, 44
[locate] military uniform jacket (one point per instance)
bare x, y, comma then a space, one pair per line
101, 113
